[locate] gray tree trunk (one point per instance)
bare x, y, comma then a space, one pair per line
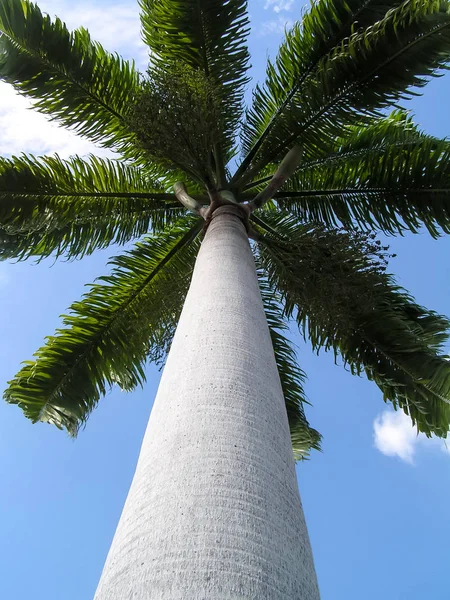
214, 510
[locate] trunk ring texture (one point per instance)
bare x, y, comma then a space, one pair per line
235, 210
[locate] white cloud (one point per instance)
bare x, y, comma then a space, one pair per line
394, 435
117, 27
275, 26
25, 130
279, 5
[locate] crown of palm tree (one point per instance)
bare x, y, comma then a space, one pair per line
318, 166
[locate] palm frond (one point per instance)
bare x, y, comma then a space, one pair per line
335, 285
69, 77
124, 319
386, 175
395, 129
371, 69
304, 438
72, 207
209, 36
323, 26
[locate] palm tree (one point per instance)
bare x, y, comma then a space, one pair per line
213, 510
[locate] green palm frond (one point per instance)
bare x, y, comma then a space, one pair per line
72, 207
304, 438
124, 319
325, 24
371, 69
377, 134
335, 285
386, 176
209, 36
69, 77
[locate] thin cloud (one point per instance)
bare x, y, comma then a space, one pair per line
275, 26
279, 5
25, 130
394, 435
116, 26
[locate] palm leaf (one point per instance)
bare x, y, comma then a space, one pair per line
69, 77
209, 36
386, 175
326, 24
335, 285
74, 206
125, 318
367, 71
304, 438
395, 129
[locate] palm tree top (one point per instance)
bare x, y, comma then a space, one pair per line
321, 160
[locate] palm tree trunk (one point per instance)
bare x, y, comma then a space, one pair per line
214, 511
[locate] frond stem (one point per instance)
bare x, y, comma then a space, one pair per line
362, 190
221, 177
261, 223
286, 169
130, 195
188, 201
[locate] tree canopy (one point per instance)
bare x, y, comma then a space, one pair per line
321, 160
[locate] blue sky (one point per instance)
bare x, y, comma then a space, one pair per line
375, 498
